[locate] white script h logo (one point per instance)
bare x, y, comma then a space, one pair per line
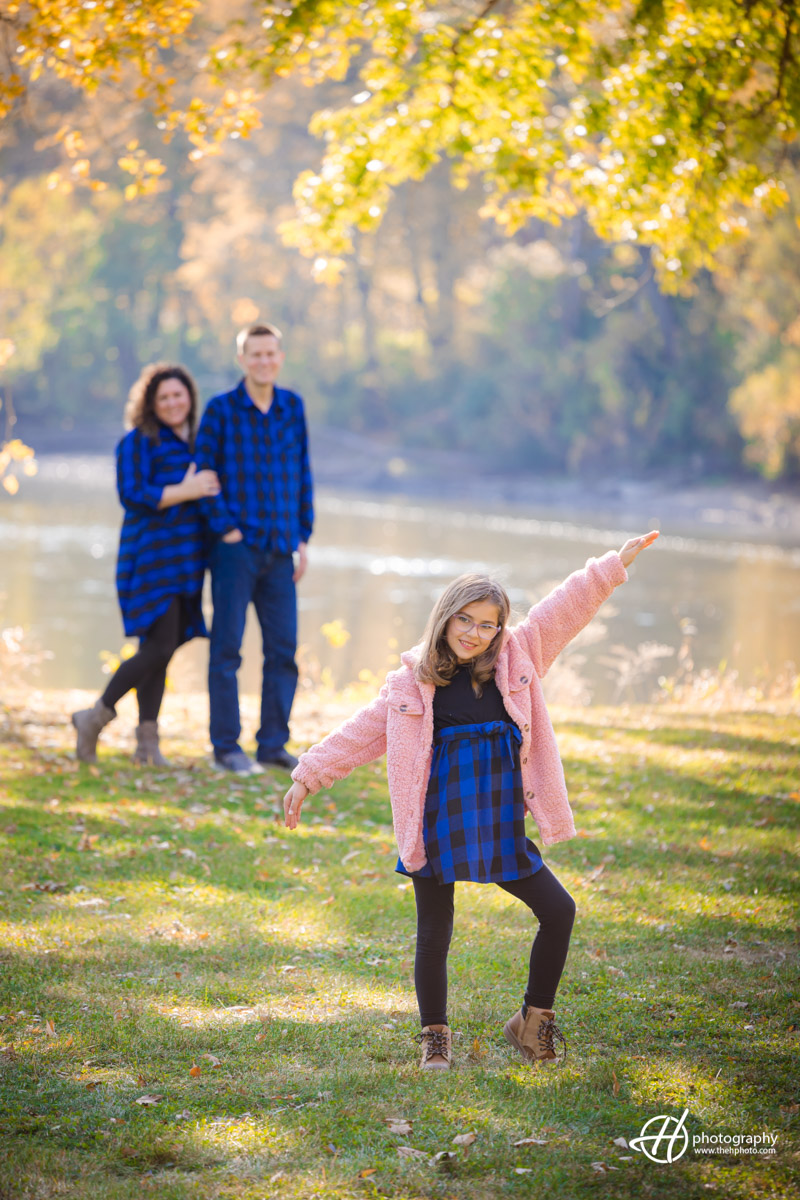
663, 1139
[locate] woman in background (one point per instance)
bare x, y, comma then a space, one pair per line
161, 554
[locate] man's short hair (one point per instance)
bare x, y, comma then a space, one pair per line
257, 330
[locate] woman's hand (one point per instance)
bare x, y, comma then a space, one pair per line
199, 484
293, 803
635, 545
195, 485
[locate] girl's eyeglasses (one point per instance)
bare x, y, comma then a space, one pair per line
464, 625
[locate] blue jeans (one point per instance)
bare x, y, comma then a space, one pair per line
239, 575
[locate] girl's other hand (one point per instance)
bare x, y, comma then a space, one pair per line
293, 803
634, 545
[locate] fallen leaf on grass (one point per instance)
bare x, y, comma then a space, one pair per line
530, 1141
445, 1158
398, 1125
620, 1141
365, 1174
50, 1027
464, 1139
195, 1070
410, 1152
260, 1037
212, 1060
147, 1100
522, 1170
615, 1083
478, 1051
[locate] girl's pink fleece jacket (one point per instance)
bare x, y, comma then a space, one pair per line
399, 721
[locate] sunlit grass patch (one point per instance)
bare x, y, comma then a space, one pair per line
163, 936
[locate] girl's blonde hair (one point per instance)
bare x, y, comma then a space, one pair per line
437, 663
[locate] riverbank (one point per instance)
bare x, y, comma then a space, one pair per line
40, 717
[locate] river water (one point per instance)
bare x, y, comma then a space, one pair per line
377, 564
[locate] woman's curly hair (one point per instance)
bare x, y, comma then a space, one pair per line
140, 411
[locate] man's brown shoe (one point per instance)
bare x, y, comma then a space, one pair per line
534, 1034
437, 1048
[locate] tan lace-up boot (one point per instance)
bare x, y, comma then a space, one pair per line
534, 1035
437, 1048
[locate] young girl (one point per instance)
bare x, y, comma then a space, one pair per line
470, 747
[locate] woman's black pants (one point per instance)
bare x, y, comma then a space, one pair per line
549, 901
146, 670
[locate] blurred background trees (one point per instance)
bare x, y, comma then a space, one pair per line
589, 344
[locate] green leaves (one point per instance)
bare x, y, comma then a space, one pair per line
664, 125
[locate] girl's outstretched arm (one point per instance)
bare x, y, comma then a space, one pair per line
557, 619
360, 739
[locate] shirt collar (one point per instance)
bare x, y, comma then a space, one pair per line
244, 400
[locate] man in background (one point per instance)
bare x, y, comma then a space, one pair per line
255, 438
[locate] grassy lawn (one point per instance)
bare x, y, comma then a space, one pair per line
197, 1003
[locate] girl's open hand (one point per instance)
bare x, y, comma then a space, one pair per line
634, 545
293, 803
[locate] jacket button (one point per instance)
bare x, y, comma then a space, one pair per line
525, 759
523, 679
526, 728
529, 795
403, 708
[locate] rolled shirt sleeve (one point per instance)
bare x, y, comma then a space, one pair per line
208, 457
134, 473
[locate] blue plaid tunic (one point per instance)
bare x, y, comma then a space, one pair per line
161, 552
263, 466
474, 823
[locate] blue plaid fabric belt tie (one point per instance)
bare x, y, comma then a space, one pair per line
474, 822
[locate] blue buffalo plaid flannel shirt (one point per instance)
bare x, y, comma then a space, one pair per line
263, 467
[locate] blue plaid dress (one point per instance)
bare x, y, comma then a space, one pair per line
474, 821
161, 551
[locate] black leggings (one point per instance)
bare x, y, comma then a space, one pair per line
543, 894
146, 670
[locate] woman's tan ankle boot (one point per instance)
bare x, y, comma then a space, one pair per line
88, 724
148, 751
